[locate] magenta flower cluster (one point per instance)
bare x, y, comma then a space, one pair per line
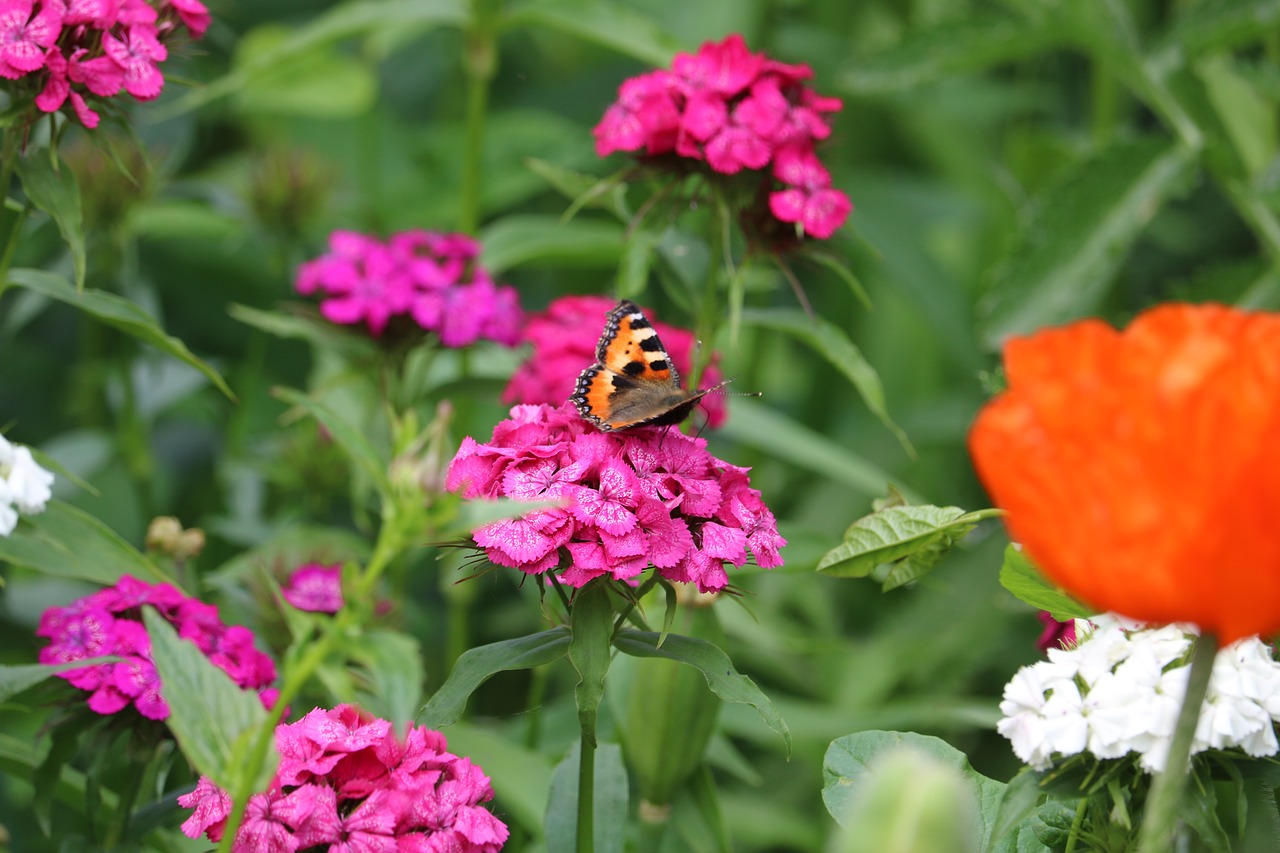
564, 341
315, 588
425, 278
77, 50
735, 110
346, 783
649, 496
109, 622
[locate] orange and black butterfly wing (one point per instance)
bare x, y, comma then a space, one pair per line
629, 345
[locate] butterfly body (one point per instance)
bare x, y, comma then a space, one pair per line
633, 382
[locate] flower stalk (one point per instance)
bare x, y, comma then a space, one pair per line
586, 794
1161, 816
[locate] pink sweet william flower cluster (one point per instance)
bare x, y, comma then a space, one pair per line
416, 278
735, 111
109, 622
648, 496
346, 783
564, 342
79, 50
315, 588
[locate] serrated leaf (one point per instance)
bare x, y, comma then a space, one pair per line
601, 22
51, 186
591, 621
352, 441
1020, 576
897, 532
211, 717
724, 680
609, 801
938, 53
65, 541
1077, 235
115, 311
530, 238
833, 344
477, 665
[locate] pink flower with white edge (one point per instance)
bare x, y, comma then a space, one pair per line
631, 499
346, 782
27, 31
564, 342
109, 622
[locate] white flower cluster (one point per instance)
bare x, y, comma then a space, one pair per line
24, 485
1120, 689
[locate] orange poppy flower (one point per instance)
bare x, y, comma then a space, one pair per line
1140, 469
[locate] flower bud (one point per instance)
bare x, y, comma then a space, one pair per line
163, 533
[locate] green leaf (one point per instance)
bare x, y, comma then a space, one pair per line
392, 674
1215, 25
1024, 581
849, 758
115, 311
527, 238
1017, 805
637, 260
698, 818
583, 189
352, 441
1078, 233
346, 20
895, 533
51, 186
1248, 119
939, 53
212, 718
609, 802
591, 621
756, 425
833, 344
601, 22
477, 665
15, 679
724, 680
68, 542
319, 83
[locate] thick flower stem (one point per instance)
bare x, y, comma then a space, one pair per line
586, 795
1161, 818
480, 62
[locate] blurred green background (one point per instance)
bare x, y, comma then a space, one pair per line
1013, 163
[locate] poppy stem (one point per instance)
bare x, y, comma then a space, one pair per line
1160, 821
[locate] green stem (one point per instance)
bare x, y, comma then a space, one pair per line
586, 795
1160, 820
8, 163
1074, 835
480, 63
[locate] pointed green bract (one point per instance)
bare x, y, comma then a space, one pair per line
591, 621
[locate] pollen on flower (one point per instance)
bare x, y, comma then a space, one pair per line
109, 622
737, 112
84, 52
630, 499
419, 279
347, 781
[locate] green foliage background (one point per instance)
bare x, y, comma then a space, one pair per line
1013, 163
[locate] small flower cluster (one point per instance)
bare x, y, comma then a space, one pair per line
427, 278
346, 782
735, 110
633, 498
109, 622
564, 342
24, 485
1119, 692
72, 50
315, 588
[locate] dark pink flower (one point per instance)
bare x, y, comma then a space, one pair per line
26, 34
194, 14
109, 622
726, 68
315, 588
422, 278
1056, 635
345, 782
649, 496
564, 343
645, 116
99, 14
809, 199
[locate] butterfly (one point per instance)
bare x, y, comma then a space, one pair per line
633, 382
